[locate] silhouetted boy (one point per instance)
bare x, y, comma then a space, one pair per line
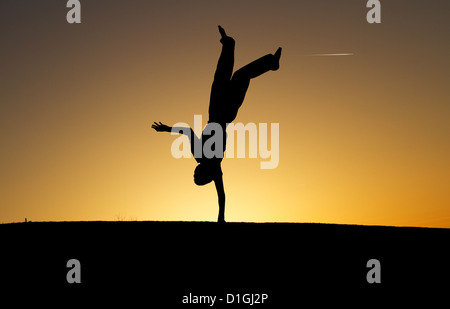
227, 94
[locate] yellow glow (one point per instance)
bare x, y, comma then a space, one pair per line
363, 139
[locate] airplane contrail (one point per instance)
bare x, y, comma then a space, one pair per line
326, 55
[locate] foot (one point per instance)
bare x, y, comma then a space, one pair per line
276, 59
222, 32
225, 38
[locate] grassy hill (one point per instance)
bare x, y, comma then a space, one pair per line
161, 262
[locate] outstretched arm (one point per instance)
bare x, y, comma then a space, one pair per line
221, 195
160, 127
193, 139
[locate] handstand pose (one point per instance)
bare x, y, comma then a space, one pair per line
227, 94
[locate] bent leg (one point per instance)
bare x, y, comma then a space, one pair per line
241, 78
258, 67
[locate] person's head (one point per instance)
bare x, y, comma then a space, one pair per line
204, 173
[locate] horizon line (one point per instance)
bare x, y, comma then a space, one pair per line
229, 222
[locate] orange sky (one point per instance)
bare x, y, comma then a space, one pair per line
364, 139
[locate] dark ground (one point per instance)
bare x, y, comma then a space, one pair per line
154, 264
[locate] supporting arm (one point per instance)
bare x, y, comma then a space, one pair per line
193, 139
221, 197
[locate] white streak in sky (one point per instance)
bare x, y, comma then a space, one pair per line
327, 55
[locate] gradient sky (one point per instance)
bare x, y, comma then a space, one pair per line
364, 139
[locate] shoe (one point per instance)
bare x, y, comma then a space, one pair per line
225, 38
276, 59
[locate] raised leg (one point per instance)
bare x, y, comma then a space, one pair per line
225, 64
260, 66
241, 78
222, 77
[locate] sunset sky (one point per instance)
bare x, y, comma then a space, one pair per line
364, 138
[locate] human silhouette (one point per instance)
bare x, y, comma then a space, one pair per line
227, 94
